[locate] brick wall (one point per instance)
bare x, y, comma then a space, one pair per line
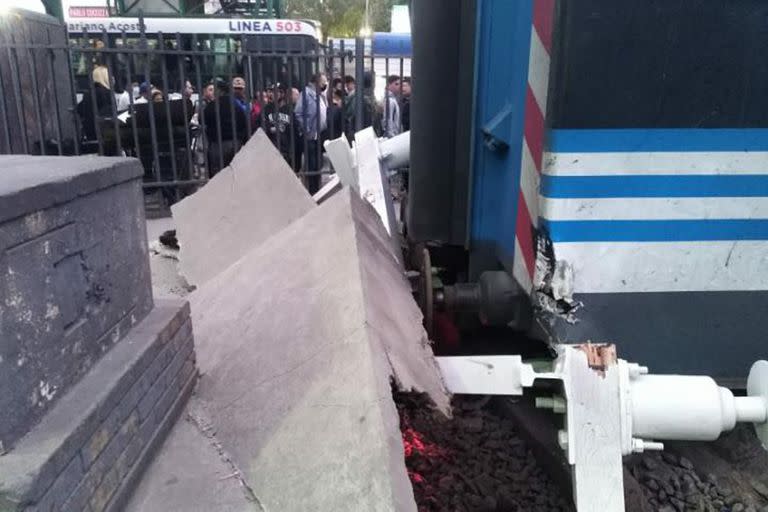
113, 421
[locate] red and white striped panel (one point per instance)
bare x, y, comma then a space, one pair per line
533, 144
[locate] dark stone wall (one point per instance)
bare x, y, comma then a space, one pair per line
74, 276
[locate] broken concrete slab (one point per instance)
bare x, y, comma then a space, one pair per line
243, 205
297, 344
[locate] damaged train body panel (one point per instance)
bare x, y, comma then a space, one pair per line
656, 229
623, 187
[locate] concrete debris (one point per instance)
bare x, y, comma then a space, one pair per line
166, 280
164, 261
159, 249
243, 205
168, 239
298, 342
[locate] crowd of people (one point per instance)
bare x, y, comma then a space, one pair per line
224, 115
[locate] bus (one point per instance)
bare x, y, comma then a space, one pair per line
268, 50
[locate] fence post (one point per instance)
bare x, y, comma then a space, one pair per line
360, 79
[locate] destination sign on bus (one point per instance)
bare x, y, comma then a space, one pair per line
88, 12
193, 26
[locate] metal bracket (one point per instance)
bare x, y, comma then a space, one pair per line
592, 438
497, 131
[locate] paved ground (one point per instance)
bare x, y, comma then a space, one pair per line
171, 483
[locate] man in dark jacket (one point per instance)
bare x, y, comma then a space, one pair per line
225, 129
405, 104
277, 121
335, 116
369, 106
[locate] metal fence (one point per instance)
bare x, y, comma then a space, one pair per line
183, 104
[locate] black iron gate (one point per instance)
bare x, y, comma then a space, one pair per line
182, 104
36, 93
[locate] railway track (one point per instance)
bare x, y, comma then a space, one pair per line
499, 455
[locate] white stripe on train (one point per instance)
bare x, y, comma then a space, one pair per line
654, 208
621, 164
529, 184
538, 70
610, 267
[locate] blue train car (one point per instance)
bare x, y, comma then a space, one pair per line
612, 158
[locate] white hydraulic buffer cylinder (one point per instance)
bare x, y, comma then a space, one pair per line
695, 408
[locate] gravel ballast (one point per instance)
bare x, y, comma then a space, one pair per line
473, 462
